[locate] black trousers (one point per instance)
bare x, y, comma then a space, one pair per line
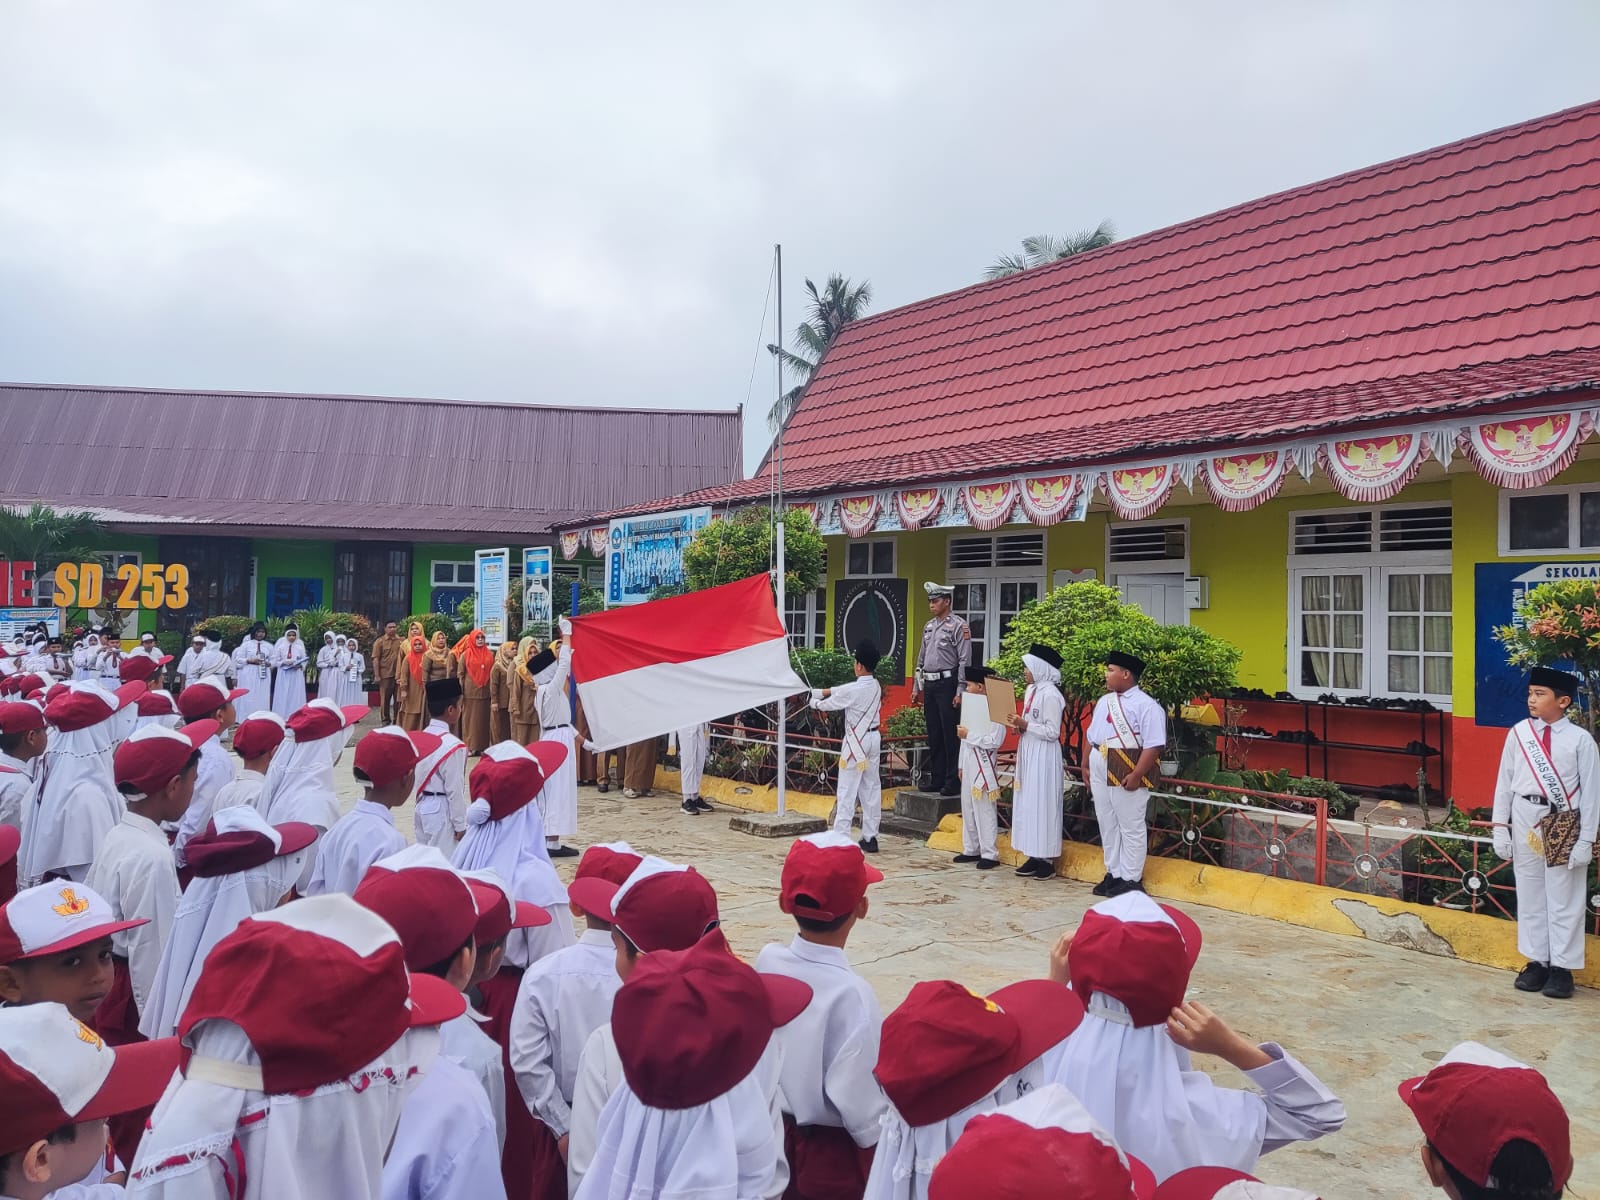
944, 748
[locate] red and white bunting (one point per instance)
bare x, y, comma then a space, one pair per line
1048, 498
1525, 452
1135, 493
989, 505
811, 508
858, 515
570, 542
1371, 469
599, 541
1240, 482
917, 507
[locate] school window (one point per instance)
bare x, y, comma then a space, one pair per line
994, 579
1147, 561
221, 579
871, 559
1559, 519
1370, 603
452, 574
805, 615
374, 579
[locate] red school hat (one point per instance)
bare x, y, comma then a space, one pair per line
152, 757
323, 718
602, 870
206, 696
320, 988
690, 1024
21, 684
385, 754
664, 906
261, 731
429, 905
499, 912
946, 1047
73, 706
824, 877
19, 716
1476, 1100
53, 917
239, 838
1136, 951
56, 1071
157, 703
1224, 1183
509, 777
140, 667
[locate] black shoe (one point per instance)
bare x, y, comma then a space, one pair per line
868, 845
1533, 977
688, 807
1026, 869
988, 864
1559, 986
702, 805
1103, 888
966, 858
562, 852
602, 787
1042, 869
949, 793
1117, 886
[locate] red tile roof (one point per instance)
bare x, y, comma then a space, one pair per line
1463, 276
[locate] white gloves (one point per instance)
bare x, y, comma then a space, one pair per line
1502, 843
1582, 854
816, 696
589, 747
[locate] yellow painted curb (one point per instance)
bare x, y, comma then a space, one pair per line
754, 798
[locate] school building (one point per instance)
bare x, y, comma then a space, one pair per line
1342, 427
362, 504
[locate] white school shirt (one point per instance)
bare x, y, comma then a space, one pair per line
831, 1047
550, 700
462, 1041
246, 789
135, 872
445, 789
979, 749
357, 840
1146, 718
859, 700
1576, 759
444, 1147
214, 773
14, 789
563, 999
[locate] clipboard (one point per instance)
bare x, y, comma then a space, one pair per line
975, 715
1002, 695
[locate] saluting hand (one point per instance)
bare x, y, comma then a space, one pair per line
1200, 1031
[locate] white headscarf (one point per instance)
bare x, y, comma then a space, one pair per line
299, 784
281, 649
1043, 672
76, 802
724, 1150
328, 1143
212, 908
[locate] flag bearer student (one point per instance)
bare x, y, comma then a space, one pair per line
1493, 1127
1036, 809
1126, 734
156, 771
441, 811
693, 1027
860, 701
948, 1055
694, 742
207, 700
941, 673
255, 740
559, 800
289, 1091
563, 999
1546, 807
386, 763
22, 742
1130, 960
832, 1105
447, 1144
980, 783
60, 1084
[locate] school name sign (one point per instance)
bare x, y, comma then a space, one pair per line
133, 586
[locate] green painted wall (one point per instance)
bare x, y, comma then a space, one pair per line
283, 558
423, 555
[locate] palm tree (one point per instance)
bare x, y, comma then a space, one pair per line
1048, 248
831, 309
45, 537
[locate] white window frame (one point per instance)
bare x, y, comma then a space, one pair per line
1574, 529
1148, 566
894, 558
814, 635
456, 564
992, 577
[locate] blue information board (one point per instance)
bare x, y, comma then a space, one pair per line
1501, 691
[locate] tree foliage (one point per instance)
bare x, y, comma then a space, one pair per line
829, 310
45, 537
1558, 623
1045, 248
740, 545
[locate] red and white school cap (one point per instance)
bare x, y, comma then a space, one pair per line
158, 702
23, 683
387, 753
824, 877
72, 706
664, 906
19, 716
1043, 1144
427, 902
206, 696
152, 757
499, 912
140, 667
320, 988
1224, 1183
323, 718
603, 869
509, 777
261, 731
56, 1071
53, 917
1137, 951
239, 838
1476, 1100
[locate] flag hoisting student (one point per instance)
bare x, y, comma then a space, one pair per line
859, 779
559, 799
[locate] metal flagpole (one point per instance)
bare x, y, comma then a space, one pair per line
777, 512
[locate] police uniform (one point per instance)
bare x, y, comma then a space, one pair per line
941, 672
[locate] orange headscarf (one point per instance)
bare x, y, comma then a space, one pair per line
479, 660
414, 656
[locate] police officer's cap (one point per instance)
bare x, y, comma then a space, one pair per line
936, 590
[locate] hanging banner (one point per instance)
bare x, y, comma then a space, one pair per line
859, 514
917, 507
492, 578
1523, 452
600, 541
646, 553
811, 509
1135, 493
1374, 468
1048, 499
1240, 482
989, 505
538, 598
569, 545
873, 609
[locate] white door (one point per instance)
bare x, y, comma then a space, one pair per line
1159, 597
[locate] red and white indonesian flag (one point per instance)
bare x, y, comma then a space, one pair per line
652, 668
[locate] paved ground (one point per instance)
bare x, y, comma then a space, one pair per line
1362, 1015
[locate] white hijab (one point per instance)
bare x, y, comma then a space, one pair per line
212, 908
329, 1143
286, 651
299, 784
1043, 672
76, 802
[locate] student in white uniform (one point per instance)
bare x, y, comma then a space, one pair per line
354, 668
980, 782
289, 660
859, 700
203, 659
948, 1055
240, 866
440, 817
386, 764
22, 742
563, 999
1126, 734
148, 648
84, 654
1129, 1063
692, 1028
156, 771
1036, 808
832, 1105
300, 783
1546, 808
329, 686
560, 798
694, 743
252, 667
207, 700
255, 740
109, 663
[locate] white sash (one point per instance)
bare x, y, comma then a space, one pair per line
1119, 722
988, 782
855, 739
1544, 771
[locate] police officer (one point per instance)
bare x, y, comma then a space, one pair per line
940, 679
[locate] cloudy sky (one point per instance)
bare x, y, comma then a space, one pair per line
576, 204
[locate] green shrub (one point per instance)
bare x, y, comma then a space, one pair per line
906, 722
830, 668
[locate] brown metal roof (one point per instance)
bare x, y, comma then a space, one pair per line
269, 463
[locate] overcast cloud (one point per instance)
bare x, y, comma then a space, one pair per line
576, 204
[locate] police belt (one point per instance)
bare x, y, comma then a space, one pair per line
935, 676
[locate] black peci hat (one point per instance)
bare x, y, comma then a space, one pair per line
541, 661
1046, 654
1559, 682
443, 691
867, 654
1131, 662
